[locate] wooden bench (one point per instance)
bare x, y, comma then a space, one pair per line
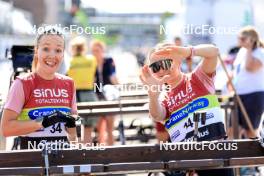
131, 159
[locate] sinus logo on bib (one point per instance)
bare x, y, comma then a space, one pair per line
43, 93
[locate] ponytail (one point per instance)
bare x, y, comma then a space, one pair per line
261, 43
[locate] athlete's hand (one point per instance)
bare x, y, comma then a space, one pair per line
148, 79
71, 121
176, 53
68, 119
57, 117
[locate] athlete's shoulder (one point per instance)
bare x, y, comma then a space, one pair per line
63, 77
26, 77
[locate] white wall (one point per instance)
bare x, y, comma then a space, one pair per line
229, 14
258, 6
224, 14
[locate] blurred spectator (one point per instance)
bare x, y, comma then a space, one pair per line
82, 71
140, 58
232, 53
178, 41
105, 75
229, 62
249, 76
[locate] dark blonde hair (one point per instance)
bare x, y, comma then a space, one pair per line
250, 31
78, 46
48, 30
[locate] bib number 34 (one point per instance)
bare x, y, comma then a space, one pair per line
56, 128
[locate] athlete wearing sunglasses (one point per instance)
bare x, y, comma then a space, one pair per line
189, 93
162, 64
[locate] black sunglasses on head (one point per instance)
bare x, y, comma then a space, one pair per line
161, 64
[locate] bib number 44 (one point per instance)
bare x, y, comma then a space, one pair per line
188, 123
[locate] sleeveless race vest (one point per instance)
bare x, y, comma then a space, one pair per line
43, 97
181, 102
82, 71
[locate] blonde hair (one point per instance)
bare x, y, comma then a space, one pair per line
157, 47
78, 46
48, 30
251, 32
98, 43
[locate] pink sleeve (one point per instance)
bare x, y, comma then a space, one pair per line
207, 80
15, 99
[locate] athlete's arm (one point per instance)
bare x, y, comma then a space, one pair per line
207, 51
74, 112
71, 134
10, 126
156, 110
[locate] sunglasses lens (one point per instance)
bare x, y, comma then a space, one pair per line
155, 67
164, 64
167, 64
